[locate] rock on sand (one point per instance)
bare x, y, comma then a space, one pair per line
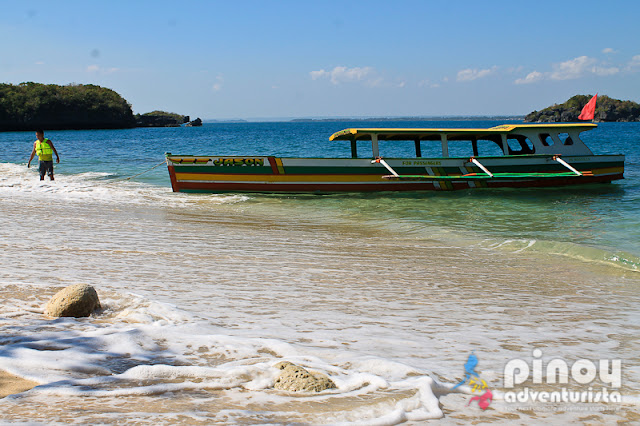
78, 300
294, 378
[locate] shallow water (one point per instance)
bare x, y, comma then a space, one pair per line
387, 294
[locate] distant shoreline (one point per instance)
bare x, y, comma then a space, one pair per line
348, 119
452, 118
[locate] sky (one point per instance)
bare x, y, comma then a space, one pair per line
271, 59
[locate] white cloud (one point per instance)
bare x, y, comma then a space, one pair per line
608, 50
532, 77
428, 83
95, 68
217, 86
579, 67
474, 74
343, 74
375, 82
573, 68
634, 64
318, 74
602, 71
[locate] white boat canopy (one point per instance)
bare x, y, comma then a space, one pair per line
435, 133
497, 134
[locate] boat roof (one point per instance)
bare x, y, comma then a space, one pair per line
417, 133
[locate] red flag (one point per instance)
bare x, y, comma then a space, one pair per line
589, 109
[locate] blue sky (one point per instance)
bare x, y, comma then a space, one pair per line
276, 59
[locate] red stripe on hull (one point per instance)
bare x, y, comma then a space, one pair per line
274, 165
375, 187
172, 176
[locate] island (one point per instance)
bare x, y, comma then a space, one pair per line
161, 119
28, 106
607, 109
195, 123
165, 119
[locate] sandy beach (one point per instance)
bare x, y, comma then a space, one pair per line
10, 384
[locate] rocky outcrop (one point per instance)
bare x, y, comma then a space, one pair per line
607, 109
161, 119
195, 123
294, 378
78, 300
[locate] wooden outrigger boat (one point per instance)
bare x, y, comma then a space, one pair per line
528, 155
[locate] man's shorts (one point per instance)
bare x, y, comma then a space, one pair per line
46, 167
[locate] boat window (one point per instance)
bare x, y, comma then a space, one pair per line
485, 146
565, 139
489, 148
460, 148
519, 144
546, 139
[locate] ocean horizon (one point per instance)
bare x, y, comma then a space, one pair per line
367, 118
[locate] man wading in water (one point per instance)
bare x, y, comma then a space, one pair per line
45, 150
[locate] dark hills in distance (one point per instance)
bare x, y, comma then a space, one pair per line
607, 109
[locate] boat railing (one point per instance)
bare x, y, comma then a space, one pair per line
486, 174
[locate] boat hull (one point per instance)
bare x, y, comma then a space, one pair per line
332, 175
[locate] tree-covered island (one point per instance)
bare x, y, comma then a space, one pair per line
161, 119
607, 109
29, 106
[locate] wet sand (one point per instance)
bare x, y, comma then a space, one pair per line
10, 384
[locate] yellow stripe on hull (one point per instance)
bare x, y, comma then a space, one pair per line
608, 171
210, 177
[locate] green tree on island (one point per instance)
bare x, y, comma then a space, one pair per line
75, 106
607, 109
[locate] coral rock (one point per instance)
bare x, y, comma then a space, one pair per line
78, 300
294, 378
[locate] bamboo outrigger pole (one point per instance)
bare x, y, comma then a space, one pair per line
567, 165
483, 168
384, 163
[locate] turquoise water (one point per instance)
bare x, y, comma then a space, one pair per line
387, 294
605, 217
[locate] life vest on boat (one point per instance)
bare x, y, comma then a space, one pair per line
44, 150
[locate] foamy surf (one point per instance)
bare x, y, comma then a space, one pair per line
98, 187
592, 255
139, 348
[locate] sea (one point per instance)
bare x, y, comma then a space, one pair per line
504, 306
